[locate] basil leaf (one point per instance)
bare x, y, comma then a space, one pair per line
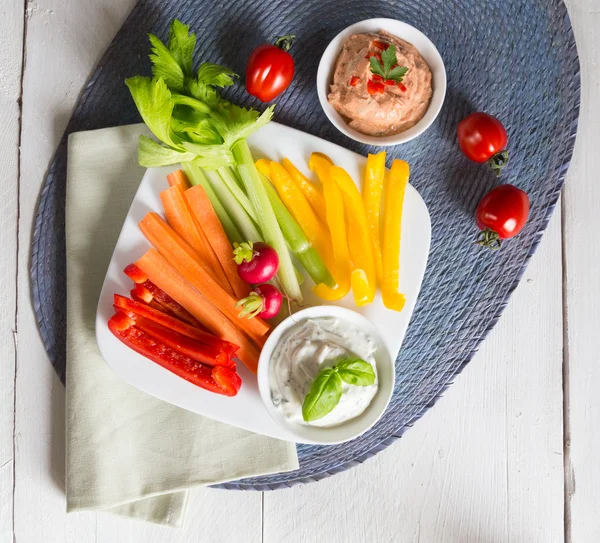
356, 372
325, 393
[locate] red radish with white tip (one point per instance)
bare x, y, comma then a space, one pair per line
263, 302
257, 262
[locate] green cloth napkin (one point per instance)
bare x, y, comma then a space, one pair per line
127, 452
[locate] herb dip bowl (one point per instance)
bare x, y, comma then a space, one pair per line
349, 429
406, 32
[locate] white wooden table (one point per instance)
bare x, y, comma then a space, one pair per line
510, 453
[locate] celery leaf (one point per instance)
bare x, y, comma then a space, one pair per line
165, 65
152, 154
181, 45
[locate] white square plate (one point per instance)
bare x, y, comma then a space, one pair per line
246, 410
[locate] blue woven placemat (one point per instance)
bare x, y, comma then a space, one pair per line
514, 59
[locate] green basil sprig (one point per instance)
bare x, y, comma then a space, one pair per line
326, 390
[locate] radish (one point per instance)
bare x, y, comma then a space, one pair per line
257, 262
264, 302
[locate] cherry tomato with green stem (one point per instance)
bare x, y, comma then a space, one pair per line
501, 214
270, 69
482, 138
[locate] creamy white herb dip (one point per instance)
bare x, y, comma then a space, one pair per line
306, 349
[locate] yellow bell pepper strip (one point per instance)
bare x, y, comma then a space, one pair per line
263, 165
334, 204
363, 278
372, 190
392, 229
294, 200
320, 165
312, 193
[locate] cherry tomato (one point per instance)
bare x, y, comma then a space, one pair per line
482, 138
501, 214
270, 69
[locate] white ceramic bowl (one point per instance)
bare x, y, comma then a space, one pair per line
406, 32
350, 429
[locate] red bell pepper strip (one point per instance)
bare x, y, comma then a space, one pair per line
141, 294
227, 379
207, 354
135, 274
173, 307
121, 303
147, 292
218, 379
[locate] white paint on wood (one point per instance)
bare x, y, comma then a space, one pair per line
485, 464
11, 39
582, 256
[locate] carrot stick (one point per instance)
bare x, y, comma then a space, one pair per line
180, 218
180, 254
166, 277
207, 219
178, 178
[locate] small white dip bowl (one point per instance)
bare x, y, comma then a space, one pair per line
406, 32
350, 429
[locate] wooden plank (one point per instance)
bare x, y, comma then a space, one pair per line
218, 516
485, 464
11, 53
582, 291
64, 42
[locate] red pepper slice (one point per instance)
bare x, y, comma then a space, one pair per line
402, 86
177, 310
377, 78
141, 294
132, 307
207, 354
149, 293
222, 382
353, 81
380, 44
375, 87
227, 379
389, 82
376, 55
135, 274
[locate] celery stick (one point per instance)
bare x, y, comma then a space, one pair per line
197, 177
267, 221
234, 209
230, 179
296, 239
